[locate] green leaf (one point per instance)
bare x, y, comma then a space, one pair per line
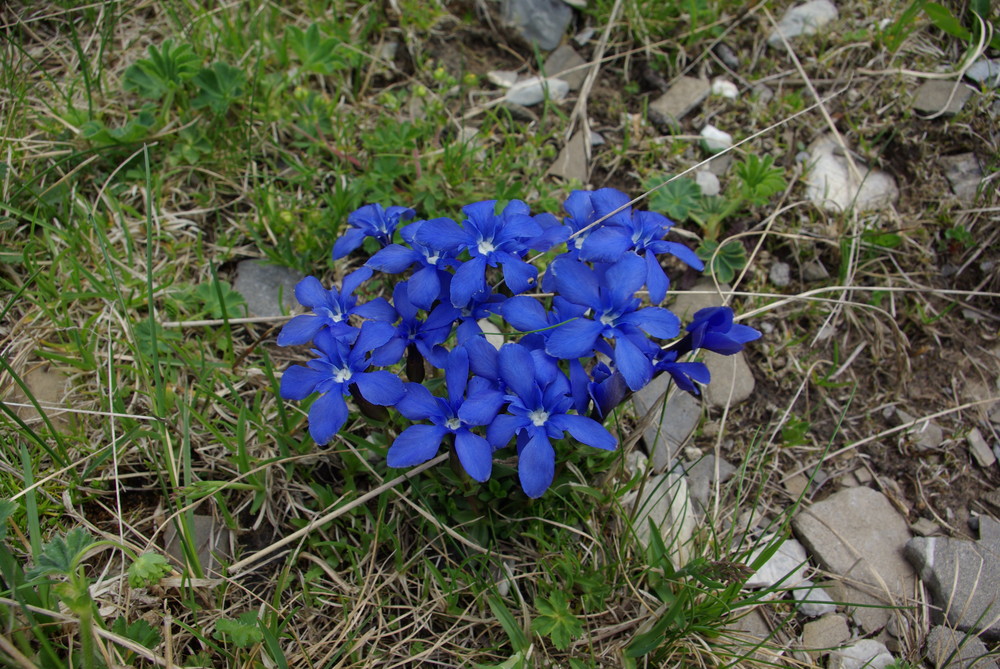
676, 199
316, 53
7, 509
760, 179
147, 570
946, 21
725, 264
515, 661
556, 621
518, 639
139, 631
166, 70
888, 240
241, 632
60, 555
232, 301
219, 87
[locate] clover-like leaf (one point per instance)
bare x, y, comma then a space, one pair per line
242, 631
316, 52
139, 631
760, 179
725, 264
676, 199
60, 555
556, 621
147, 570
219, 85
166, 70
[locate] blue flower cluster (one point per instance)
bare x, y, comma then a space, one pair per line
584, 337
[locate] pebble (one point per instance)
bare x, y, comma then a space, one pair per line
813, 601
48, 386
268, 290
786, 568
863, 654
209, 537
979, 449
715, 140
665, 501
708, 182
804, 19
571, 164
725, 88
814, 270
671, 425
925, 527
680, 99
597, 139
948, 649
566, 64
964, 174
925, 435
985, 71
532, 90
726, 54
941, 96
780, 274
831, 184
701, 476
819, 636
502, 78
539, 21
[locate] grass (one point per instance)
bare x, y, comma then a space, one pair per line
146, 147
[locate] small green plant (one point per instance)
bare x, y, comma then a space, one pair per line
947, 22
556, 620
163, 73
320, 54
219, 86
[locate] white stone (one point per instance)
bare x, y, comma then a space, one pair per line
813, 601
502, 78
666, 502
715, 140
805, 19
788, 565
865, 653
831, 183
725, 88
708, 182
979, 449
985, 71
532, 90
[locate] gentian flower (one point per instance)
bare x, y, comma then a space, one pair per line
684, 374
491, 240
648, 230
605, 242
616, 315
338, 367
331, 309
425, 335
371, 220
713, 329
469, 404
427, 283
538, 412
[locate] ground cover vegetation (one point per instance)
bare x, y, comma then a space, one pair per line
165, 506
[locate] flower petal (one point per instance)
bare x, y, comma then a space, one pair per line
456, 374
536, 465
373, 334
377, 310
483, 358
469, 280
517, 369
475, 454
326, 416
575, 339
502, 428
686, 255
415, 445
393, 259
300, 330
632, 363
524, 313
382, 388
424, 287
311, 293
606, 243
298, 382
355, 279
585, 430
575, 282
348, 242
519, 275
419, 403
656, 279
655, 321
443, 234
482, 408
625, 277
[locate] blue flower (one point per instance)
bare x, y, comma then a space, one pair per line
539, 402
491, 240
713, 329
425, 335
610, 295
605, 242
648, 230
331, 309
371, 220
469, 404
338, 367
431, 281
684, 374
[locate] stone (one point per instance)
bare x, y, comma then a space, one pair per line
786, 568
540, 21
715, 140
571, 164
962, 577
964, 174
49, 387
982, 453
985, 71
819, 637
796, 486
726, 54
566, 64
211, 540
665, 501
804, 19
725, 88
532, 90
579, 4
814, 270
701, 476
831, 184
708, 182
939, 96
926, 435
857, 535
680, 99
813, 601
732, 380
948, 649
268, 290
925, 527
671, 425
502, 78
863, 654
780, 274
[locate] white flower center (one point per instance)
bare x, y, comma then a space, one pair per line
486, 247
607, 319
453, 423
538, 417
343, 375
432, 260
578, 241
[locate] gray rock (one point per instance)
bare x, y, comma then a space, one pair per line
680, 99
821, 636
962, 577
925, 527
948, 649
813, 601
979, 449
566, 64
539, 21
726, 54
941, 96
708, 182
831, 184
985, 71
858, 535
701, 477
814, 270
49, 386
964, 174
671, 425
269, 290
502, 78
665, 501
780, 274
926, 435
532, 90
863, 654
805, 19
211, 539
786, 566
571, 164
